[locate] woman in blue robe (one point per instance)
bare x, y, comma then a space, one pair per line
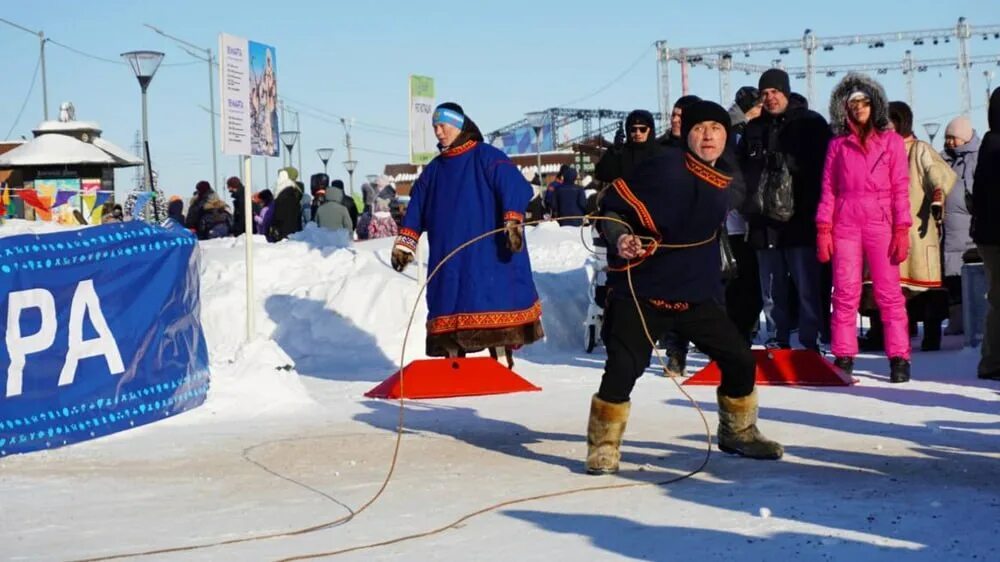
483, 297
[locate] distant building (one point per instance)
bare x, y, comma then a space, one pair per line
64, 156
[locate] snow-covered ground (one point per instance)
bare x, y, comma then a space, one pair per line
286, 441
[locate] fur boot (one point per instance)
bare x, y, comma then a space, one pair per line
738, 433
604, 435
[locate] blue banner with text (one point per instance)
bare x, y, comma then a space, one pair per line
102, 333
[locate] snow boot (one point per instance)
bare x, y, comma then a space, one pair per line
738, 433
899, 370
845, 364
604, 435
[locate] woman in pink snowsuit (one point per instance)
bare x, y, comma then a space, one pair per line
864, 217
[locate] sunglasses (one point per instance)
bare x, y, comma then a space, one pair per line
638, 129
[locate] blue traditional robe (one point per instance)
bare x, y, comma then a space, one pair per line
463, 193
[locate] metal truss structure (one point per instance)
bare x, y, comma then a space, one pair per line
561, 117
721, 57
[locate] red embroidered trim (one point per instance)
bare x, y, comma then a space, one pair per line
644, 217
915, 283
708, 174
484, 320
670, 306
408, 237
460, 149
513, 216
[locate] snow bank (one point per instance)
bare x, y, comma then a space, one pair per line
339, 311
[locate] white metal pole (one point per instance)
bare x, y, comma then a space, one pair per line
809, 42
298, 128
909, 69
285, 154
216, 180
45, 82
248, 244
963, 33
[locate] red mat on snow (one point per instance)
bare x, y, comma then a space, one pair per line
787, 367
446, 378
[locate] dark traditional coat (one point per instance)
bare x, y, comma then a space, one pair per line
676, 200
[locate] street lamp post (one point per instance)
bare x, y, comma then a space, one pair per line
350, 165
144, 65
324, 154
932, 130
536, 120
209, 57
289, 138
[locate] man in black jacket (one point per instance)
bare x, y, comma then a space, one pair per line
673, 205
786, 140
986, 234
238, 192
568, 199
638, 144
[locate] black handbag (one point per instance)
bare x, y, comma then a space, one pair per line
775, 191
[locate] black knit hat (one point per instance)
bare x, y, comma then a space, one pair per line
703, 111
684, 102
747, 97
777, 79
640, 117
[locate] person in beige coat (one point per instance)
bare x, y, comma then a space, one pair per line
931, 180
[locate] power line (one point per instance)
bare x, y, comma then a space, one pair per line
380, 152
110, 61
952, 113
31, 88
84, 54
613, 81
362, 124
325, 119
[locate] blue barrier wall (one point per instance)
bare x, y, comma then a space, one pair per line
102, 333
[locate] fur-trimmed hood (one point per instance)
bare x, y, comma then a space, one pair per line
851, 83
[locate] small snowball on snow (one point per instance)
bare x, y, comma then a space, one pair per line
764, 512
878, 447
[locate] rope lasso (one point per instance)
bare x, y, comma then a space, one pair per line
400, 428
571, 491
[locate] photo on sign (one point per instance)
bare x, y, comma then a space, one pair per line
263, 100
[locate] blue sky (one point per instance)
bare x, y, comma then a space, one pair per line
498, 60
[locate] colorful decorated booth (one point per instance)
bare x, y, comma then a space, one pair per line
65, 173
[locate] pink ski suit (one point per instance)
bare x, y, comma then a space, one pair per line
865, 197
